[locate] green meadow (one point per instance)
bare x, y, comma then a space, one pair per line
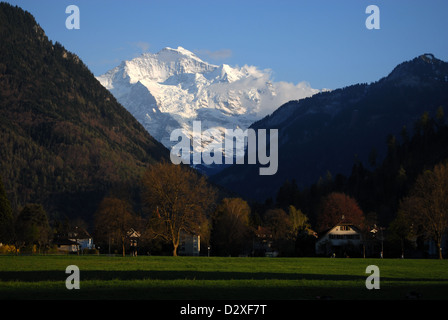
186, 278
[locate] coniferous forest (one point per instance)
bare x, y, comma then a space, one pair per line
65, 139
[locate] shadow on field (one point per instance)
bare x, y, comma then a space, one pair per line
354, 289
60, 275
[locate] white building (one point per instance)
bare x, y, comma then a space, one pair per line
82, 238
341, 240
189, 244
74, 241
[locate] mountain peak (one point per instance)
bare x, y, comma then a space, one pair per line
157, 67
179, 49
424, 69
428, 57
330, 128
182, 88
172, 53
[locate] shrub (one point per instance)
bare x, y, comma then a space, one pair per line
90, 251
7, 249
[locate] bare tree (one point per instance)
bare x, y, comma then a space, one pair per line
178, 199
231, 226
113, 220
427, 205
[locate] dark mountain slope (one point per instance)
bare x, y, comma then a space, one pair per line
65, 140
331, 131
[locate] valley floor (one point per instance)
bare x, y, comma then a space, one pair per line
218, 278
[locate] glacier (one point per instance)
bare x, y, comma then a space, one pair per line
170, 89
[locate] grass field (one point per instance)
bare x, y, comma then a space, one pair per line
167, 278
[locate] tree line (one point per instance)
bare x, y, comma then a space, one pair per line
407, 194
177, 199
174, 199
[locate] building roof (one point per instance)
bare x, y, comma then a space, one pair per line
133, 234
79, 233
351, 225
263, 232
65, 242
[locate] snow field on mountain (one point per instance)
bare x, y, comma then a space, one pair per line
174, 87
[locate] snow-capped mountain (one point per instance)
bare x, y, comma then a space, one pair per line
172, 88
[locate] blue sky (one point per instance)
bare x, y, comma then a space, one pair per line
323, 42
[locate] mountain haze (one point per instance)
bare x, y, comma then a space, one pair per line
65, 139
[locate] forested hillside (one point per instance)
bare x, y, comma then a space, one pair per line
330, 130
65, 140
378, 186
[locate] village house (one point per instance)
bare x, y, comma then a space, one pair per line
74, 241
133, 237
189, 244
67, 246
262, 245
342, 240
